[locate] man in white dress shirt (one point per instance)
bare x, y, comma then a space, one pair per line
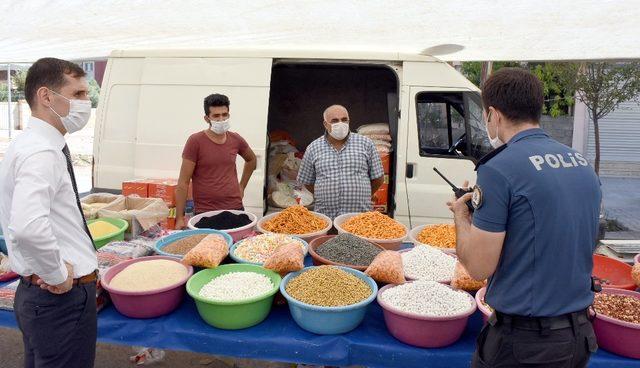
48, 240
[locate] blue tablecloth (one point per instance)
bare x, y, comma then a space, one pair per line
280, 339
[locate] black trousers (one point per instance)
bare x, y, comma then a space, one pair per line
58, 330
504, 343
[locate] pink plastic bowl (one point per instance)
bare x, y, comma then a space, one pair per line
636, 259
424, 332
148, 304
618, 337
486, 312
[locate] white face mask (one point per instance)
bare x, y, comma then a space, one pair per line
78, 116
495, 142
220, 127
339, 130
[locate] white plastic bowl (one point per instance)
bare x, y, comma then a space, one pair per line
413, 237
306, 237
390, 244
238, 233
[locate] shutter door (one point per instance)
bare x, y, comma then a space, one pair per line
619, 135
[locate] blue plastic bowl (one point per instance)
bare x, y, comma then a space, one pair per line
3, 245
329, 320
232, 251
160, 244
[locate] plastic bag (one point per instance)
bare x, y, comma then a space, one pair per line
387, 268
635, 274
208, 253
463, 281
8, 295
288, 258
146, 356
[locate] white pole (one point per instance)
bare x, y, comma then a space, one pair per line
10, 113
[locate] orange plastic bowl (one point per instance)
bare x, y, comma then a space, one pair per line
616, 273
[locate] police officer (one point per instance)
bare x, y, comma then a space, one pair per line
533, 233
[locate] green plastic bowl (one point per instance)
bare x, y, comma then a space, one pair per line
234, 315
122, 225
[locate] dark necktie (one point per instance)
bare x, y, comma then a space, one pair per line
67, 154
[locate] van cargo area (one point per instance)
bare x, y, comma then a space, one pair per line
299, 94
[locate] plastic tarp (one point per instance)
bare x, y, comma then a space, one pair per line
456, 30
280, 339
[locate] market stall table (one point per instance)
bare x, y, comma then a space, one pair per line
280, 339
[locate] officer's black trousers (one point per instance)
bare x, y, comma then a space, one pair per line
502, 343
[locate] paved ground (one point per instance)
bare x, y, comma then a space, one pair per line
621, 197
117, 356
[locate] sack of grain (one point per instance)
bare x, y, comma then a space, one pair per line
211, 250
368, 129
380, 137
288, 258
141, 213
92, 203
463, 281
387, 268
635, 274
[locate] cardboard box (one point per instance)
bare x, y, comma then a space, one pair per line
139, 188
164, 189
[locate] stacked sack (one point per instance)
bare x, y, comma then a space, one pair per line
379, 134
381, 137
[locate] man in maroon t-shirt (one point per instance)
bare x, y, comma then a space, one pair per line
209, 159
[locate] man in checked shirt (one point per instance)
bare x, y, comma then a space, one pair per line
341, 169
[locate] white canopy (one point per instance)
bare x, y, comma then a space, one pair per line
450, 29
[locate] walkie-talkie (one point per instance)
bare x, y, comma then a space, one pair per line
459, 192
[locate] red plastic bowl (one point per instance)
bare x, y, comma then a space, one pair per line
146, 304
616, 336
616, 272
421, 331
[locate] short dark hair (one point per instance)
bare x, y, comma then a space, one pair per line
215, 100
516, 92
49, 72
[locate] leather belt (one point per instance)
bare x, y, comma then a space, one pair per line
87, 279
540, 323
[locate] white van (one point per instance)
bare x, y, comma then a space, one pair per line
151, 102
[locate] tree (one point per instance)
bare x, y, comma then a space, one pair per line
18, 80
558, 98
472, 70
558, 95
602, 86
94, 92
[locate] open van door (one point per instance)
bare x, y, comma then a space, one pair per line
445, 130
150, 106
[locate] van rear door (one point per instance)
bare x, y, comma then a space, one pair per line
150, 106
